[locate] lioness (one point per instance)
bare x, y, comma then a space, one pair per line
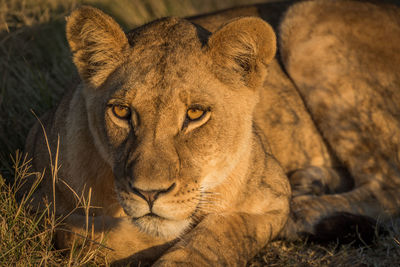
183, 132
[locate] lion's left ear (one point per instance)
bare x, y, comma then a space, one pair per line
241, 49
97, 43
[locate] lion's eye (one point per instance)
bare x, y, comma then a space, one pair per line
195, 114
121, 112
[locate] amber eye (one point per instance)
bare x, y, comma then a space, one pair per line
195, 114
121, 112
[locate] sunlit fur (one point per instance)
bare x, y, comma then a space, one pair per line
214, 191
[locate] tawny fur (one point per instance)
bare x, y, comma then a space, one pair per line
222, 195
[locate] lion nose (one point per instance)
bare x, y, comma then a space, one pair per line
151, 195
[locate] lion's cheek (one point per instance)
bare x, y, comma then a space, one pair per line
117, 132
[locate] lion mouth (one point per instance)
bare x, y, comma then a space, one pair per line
156, 225
166, 218
150, 215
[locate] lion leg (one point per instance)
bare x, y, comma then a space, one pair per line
235, 237
319, 180
349, 82
323, 216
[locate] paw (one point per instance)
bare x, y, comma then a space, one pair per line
304, 215
347, 228
309, 181
176, 257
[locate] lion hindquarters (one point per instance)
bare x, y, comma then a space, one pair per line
344, 59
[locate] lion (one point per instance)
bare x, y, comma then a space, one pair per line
193, 142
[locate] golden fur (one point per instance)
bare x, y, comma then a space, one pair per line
215, 192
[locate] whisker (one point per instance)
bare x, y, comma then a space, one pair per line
208, 207
209, 193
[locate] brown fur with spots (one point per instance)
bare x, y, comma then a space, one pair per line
212, 182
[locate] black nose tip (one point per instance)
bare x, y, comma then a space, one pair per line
151, 195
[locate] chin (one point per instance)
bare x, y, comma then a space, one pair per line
161, 227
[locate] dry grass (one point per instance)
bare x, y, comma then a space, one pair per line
35, 68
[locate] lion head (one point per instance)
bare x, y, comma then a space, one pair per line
169, 107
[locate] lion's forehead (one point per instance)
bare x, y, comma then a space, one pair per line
158, 66
167, 62
169, 34
166, 81
166, 50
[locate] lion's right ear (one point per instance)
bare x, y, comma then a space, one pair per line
97, 43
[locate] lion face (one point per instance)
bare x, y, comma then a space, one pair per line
165, 116
171, 136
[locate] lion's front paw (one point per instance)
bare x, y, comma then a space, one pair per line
186, 256
177, 257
